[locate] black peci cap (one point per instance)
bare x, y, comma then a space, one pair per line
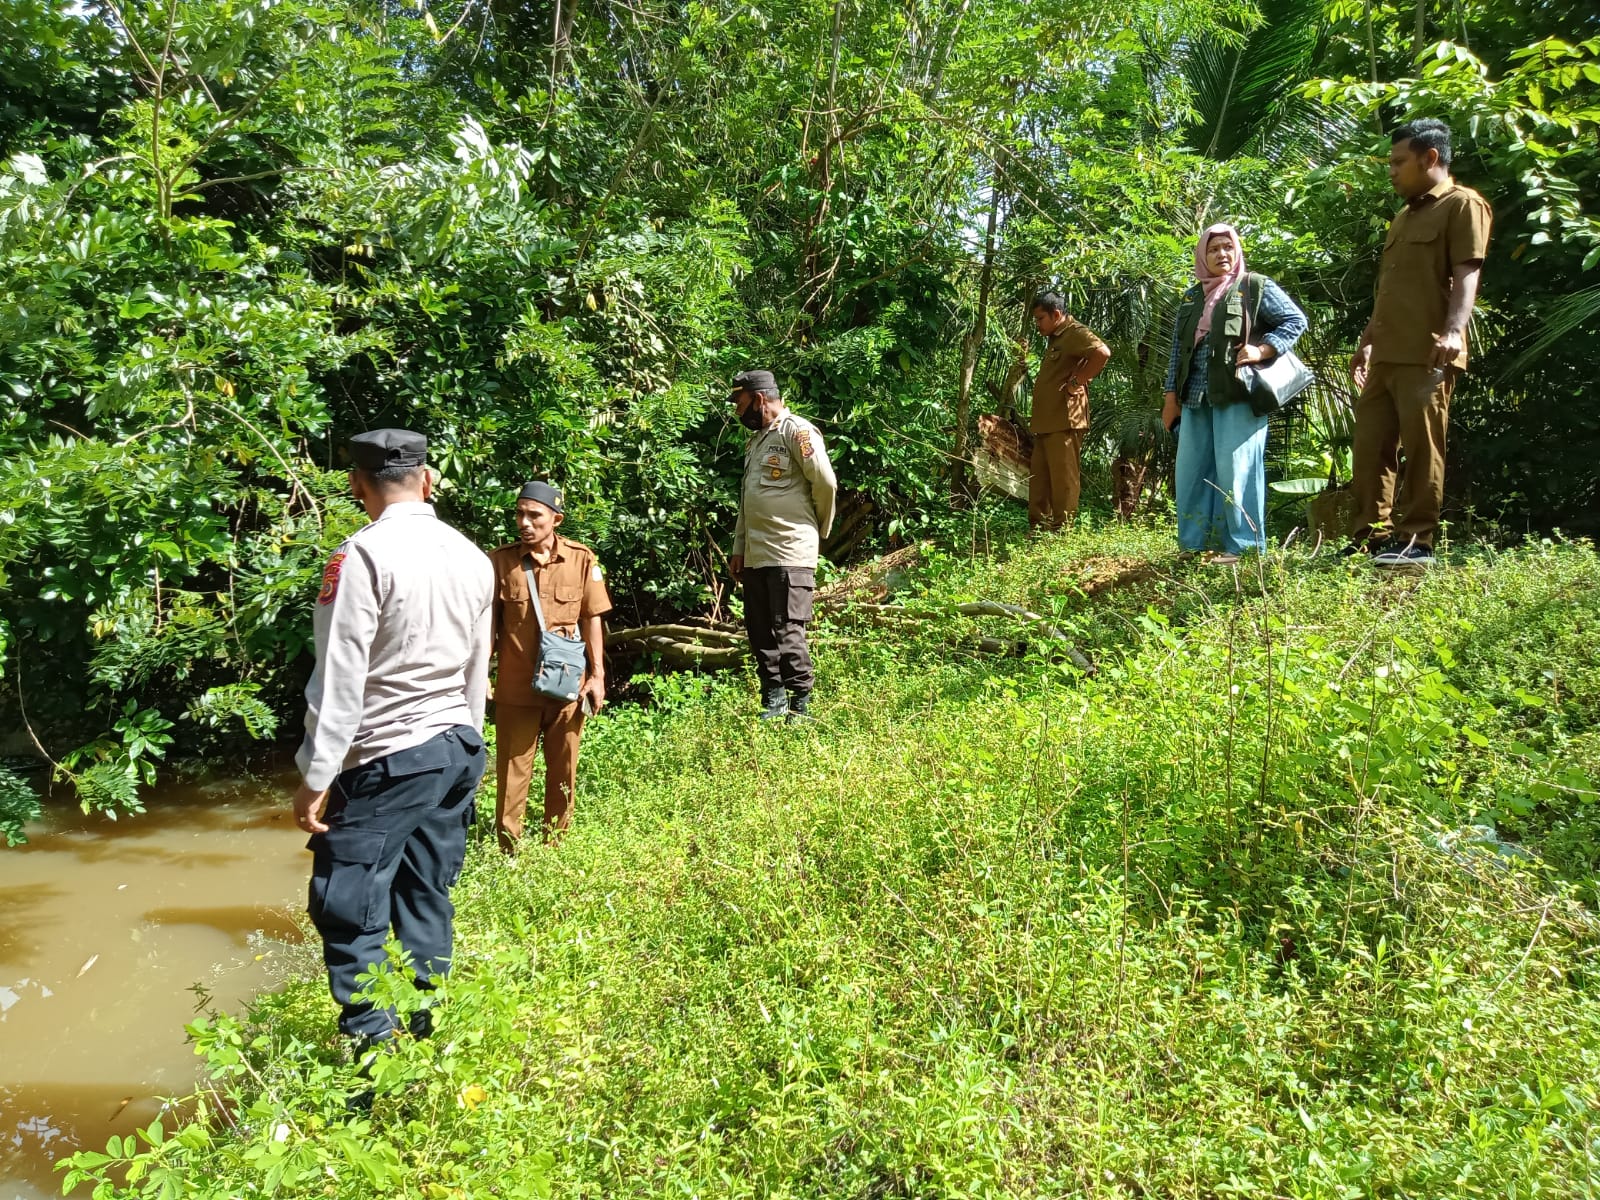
378, 449
754, 381
543, 493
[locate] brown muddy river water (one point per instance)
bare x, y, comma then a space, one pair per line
105, 927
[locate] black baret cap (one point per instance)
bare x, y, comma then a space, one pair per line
543, 493
755, 381
378, 449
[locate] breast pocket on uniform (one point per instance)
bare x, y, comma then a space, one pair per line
568, 606
1415, 245
775, 467
512, 593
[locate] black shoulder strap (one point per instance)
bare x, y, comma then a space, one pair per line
1252, 282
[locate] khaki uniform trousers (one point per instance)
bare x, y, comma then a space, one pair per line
518, 729
1053, 486
1404, 406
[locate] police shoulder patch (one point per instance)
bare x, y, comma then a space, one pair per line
330, 578
802, 439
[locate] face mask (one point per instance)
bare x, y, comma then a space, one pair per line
751, 419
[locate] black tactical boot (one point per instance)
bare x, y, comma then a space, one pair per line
420, 1024
800, 708
774, 704
366, 1051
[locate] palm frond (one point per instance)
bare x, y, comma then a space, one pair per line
1567, 315
1243, 92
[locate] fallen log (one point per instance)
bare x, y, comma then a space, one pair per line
716, 647
707, 623
874, 580
688, 654
682, 633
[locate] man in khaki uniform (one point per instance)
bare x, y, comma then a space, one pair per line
1073, 356
1414, 348
786, 501
572, 593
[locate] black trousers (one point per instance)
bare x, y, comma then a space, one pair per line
777, 606
396, 840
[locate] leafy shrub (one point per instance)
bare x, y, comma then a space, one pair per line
1212, 921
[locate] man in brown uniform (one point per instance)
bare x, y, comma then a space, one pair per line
572, 593
1072, 357
1414, 348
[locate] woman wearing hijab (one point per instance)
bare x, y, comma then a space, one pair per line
1226, 320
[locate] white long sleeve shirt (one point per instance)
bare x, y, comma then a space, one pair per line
403, 637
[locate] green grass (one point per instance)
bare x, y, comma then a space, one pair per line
1205, 924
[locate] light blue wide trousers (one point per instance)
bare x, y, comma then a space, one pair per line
1221, 482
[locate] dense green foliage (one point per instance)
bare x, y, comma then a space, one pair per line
1226, 919
233, 232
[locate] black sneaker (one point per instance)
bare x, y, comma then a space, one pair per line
1356, 550
1404, 554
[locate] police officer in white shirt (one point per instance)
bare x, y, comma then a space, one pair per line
394, 747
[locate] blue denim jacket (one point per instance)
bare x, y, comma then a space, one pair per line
1279, 324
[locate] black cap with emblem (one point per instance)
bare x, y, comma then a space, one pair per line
543, 493
379, 449
755, 381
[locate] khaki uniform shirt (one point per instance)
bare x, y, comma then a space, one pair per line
571, 589
787, 496
1432, 235
402, 632
1071, 359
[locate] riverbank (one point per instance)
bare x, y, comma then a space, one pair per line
113, 934
1224, 918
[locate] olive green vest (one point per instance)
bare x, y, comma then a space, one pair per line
1227, 334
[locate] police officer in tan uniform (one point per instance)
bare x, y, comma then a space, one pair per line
1059, 422
573, 597
393, 749
1414, 349
786, 503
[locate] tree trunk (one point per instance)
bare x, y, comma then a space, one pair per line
960, 486
560, 41
1127, 483
1372, 62
811, 288
1419, 35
